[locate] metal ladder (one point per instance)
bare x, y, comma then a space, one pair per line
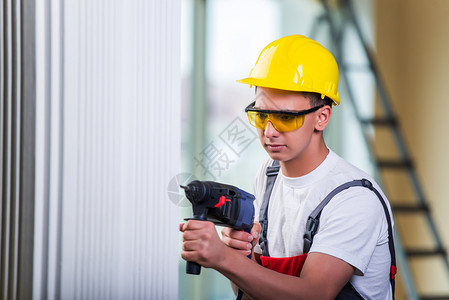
338, 19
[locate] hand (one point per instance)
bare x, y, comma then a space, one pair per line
201, 243
242, 241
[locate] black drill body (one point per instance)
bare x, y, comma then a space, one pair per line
223, 204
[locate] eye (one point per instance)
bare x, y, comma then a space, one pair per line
286, 118
262, 116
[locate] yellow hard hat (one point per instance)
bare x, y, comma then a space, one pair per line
296, 63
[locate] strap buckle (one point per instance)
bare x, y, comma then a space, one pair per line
311, 229
272, 170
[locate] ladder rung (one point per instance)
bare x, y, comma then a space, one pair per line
395, 164
425, 252
436, 297
380, 121
410, 208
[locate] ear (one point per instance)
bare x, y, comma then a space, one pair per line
323, 118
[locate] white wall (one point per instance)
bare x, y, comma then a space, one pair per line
108, 142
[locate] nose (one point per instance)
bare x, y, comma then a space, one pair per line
270, 131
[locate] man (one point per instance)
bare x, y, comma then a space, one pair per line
350, 256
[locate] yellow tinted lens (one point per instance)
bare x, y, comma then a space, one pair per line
261, 120
257, 119
286, 122
252, 118
281, 122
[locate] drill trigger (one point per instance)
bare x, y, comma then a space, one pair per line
221, 202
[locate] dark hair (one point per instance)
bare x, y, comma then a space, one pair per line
315, 99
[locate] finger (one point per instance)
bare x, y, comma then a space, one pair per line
181, 227
257, 227
237, 244
236, 234
191, 246
226, 231
189, 255
190, 235
245, 252
256, 230
240, 235
197, 224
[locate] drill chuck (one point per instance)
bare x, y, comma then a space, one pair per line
195, 191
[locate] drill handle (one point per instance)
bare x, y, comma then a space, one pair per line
191, 266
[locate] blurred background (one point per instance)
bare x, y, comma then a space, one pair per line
391, 61
107, 106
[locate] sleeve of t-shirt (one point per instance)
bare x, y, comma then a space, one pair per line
351, 226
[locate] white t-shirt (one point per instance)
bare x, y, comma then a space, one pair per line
353, 225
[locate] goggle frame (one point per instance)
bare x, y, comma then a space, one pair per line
274, 120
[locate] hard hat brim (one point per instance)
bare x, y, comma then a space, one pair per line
285, 86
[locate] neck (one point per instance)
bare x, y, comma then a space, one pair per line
308, 161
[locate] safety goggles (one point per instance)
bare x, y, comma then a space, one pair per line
281, 120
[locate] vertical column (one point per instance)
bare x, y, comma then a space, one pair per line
115, 83
17, 103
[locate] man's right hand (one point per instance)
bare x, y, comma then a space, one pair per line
242, 241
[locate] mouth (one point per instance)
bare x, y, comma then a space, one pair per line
275, 147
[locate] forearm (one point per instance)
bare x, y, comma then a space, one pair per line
322, 275
261, 283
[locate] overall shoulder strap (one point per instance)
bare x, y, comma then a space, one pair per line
271, 172
314, 220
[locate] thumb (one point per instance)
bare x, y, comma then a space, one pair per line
255, 231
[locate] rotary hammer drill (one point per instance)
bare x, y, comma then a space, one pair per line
225, 205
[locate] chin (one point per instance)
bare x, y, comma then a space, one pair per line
276, 155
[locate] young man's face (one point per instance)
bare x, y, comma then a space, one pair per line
289, 145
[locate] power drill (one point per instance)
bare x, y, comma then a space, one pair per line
223, 204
